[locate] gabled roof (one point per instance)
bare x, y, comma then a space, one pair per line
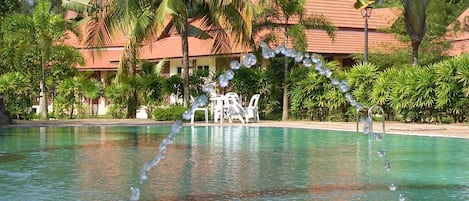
343, 14
349, 37
459, 38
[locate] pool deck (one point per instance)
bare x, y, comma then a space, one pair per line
439, 130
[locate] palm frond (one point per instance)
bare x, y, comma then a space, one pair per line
361, 4
80, 6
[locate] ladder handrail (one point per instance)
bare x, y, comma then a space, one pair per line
357, 117
370, 115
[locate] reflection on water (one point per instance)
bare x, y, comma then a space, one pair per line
226, 163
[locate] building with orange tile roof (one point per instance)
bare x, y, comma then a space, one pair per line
349, 40
459, 36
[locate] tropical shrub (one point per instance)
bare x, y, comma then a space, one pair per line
250, 81
68, 99
361, 79
414, 95
315, 98
382, 89
17, 92
115, 93
170, 113
451, 99
174, 85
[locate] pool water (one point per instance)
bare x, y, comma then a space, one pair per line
228, 163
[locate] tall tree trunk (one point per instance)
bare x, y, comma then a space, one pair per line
285, 91
132, 106
185, 64
133, 99
42, 86
285, 84
91, 107
415, 53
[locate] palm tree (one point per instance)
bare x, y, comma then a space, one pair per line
415, 17
145, 20
44, 31
91, 89
277, 16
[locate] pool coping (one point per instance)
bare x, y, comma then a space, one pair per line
435, 130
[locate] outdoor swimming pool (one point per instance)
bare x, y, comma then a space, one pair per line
227, 163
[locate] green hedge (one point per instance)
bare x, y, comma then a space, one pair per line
173, 113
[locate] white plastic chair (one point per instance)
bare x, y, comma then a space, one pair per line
252, 111
233, 108
217, 108
205, 109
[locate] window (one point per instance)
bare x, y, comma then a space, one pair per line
179, 70
203, 68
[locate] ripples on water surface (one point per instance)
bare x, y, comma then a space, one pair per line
227, 163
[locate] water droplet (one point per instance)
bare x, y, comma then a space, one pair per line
348, 96
381, 153
343, 85
266, 53
135, 194
283, 50
223, 83
307, 62
229, 74
307, 55
387, 165
366, 128
328, 73
223, 80
367, 125
321, 71
249, 60
176, 126
203, 99
392, 187
278, 49
187, 114
299, 57
378, 137
271, 54
335, 81
209, 88
318, 63
359, 106
315, 60
262, 44
235, 65
401, 197
292, 53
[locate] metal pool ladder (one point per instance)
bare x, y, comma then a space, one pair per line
370, 115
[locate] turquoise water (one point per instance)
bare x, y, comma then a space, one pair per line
227, 163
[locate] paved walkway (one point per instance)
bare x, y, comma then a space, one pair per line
443, 130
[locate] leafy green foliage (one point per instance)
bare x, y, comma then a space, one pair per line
16, 89
171, 113
361, 79
174, 85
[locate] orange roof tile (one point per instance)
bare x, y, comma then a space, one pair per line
348, 42
104, 60
460, 39
171, 47
343, 14
349, 38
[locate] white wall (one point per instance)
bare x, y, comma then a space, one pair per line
202, 61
